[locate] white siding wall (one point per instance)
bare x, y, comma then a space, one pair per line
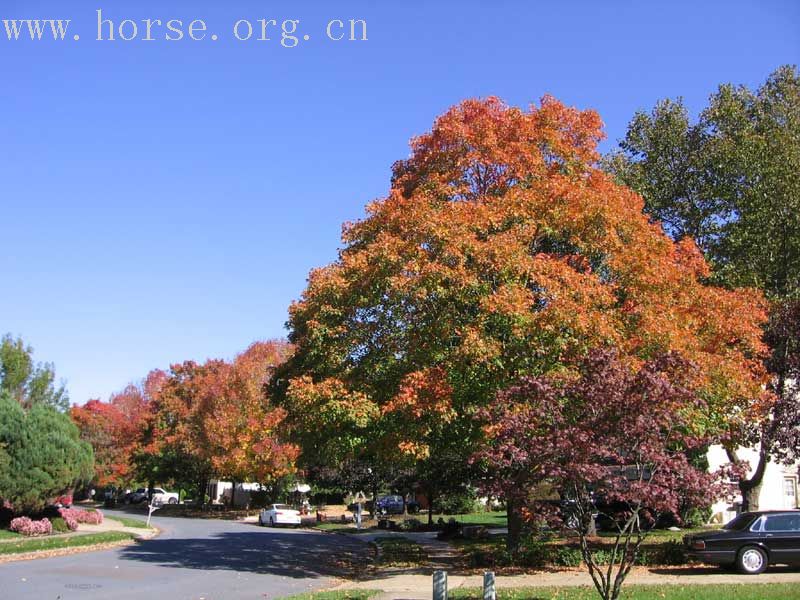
778, 489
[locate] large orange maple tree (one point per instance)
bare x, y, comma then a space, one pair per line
502, 250
214, 420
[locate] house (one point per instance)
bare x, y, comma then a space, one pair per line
219, 492
778, 489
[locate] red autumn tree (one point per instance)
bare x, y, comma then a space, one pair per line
503, 251
114, 430
614, 440
244, 427
214, 420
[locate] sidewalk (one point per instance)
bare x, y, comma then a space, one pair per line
111, 524
412, 586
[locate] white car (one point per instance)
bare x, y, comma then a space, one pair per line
160, 496
279, 514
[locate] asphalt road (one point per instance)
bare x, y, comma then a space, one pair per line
197, 559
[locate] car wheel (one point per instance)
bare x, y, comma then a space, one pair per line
173, 500
271, 522
751, 560
260, 520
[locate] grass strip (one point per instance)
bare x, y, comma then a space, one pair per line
56, 543
754, 591
336, 595
130, 522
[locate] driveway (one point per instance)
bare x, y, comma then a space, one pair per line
197, 559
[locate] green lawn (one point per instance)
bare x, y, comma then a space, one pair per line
487, 519
335, 526
53, 543
764, 591
130, 522
5, 534
340, 595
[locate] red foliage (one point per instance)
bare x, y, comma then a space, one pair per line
90, 517
614, 433
114, 429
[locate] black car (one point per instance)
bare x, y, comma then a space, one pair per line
393, 505
751, 542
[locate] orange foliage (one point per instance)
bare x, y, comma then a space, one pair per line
114, 429
218, 414
502, 250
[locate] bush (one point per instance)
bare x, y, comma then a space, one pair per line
64, 524
90, 517
28, 527
498, 557
696, 517
668, 553
44, 455
449, 530
6, 514
458, 504
566, 556
260, 498
411, 525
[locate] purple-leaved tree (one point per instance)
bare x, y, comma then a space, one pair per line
613, 440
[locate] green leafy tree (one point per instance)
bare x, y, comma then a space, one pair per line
730, 181
27, 382
41, 454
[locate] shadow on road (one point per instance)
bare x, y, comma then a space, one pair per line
274, 552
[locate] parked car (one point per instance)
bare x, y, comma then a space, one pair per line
279, 514
161, 496
137, 496
750, 542
63, 501
393, 505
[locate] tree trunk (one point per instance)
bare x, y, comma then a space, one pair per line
233, 494
750, 497
201, 492
374, 510
431, 494
514, 526
751, 488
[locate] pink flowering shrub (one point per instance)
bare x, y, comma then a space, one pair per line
28, 527
90, 517
72, 524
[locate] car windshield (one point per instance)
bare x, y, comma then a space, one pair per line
741, 522
282, 507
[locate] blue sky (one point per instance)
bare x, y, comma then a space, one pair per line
163, 201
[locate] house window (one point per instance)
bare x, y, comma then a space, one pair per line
790, 492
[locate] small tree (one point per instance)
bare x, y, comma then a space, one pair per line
614, 440
41, 455
27, 382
